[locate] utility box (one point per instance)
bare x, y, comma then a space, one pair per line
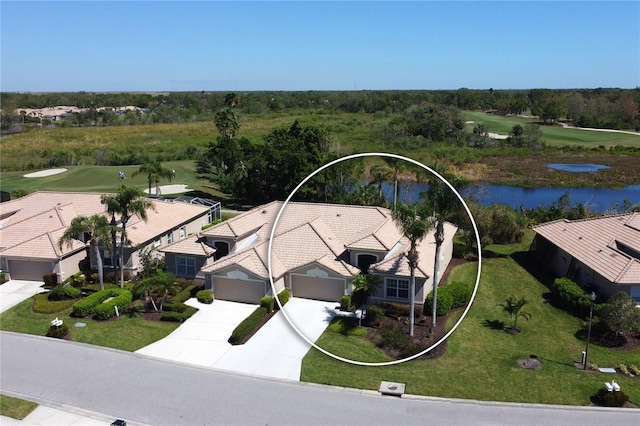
391, 388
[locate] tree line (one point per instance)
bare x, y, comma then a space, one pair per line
606, 108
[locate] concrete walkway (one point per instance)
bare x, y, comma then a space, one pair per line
276, 350
15, 291
49, 416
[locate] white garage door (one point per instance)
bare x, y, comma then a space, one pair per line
327, 289
29, 270
238, 290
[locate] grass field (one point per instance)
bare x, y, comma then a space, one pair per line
16, 408
554, 135
481, 359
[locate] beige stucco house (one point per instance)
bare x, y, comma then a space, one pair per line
317, 250
31, 226
602, 253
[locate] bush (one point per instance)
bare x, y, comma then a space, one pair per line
3, 279
399, 309
374, 314
247, 326
171, 316
605, 398
50, 280
461, 293
444, 303
345, 303
58, 332
569, 296
107, 310
396, 338
204, 296
283, 296
88, 305
61, 292
93, 288
183, 295
174, 307
267, 303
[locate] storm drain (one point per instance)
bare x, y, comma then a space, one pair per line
391, 388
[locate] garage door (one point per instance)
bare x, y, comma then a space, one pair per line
238, 290
317, 288
29, 270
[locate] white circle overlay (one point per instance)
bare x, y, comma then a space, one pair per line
350, 157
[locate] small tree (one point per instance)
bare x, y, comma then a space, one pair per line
366, 284
620, 314
513, 306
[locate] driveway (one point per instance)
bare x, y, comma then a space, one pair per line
276, 350
202, 339
15, 291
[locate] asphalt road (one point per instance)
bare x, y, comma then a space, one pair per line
141, 389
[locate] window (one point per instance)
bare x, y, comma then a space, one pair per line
169, 237
183, 232
157, 242
186, 266
397, 289
366, 260
222, 249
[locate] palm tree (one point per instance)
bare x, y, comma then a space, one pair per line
99, 230
414, 226
513, 306
442, 202
127, 202
366, 284
154, 170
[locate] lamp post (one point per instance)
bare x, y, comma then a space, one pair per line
586, 351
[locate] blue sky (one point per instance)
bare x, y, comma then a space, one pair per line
306, 45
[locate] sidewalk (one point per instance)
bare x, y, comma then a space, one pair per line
67, 416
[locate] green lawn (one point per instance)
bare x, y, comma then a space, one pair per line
481, 359
15, 408
125, 333
553, 135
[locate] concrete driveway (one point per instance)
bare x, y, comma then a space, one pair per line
15, 291
276, 350
202, 339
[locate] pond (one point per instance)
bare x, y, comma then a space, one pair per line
598, 200
577, 168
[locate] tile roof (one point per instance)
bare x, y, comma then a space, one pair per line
320, 233
193, 245
609, 245
31, 226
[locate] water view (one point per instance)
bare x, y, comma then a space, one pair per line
598, 200
577, 168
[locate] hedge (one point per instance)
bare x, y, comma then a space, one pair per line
50, 280
283, 296
267, 303
460, 291
107, 310
400, 309
88, 305
570, 296
183, 295
204, 296
443, 305
176, 316
247, 326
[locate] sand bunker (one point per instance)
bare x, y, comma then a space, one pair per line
168, 189
44, 173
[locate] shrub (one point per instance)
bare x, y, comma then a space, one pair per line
189, 312
58, 332
183, 295
50, 280
345, 303
396, 338
3, 279
460, 292
605, 398
569, 296
204, 296
61, 292
267, 303
88, 305
171, 316
93, 288
107, 310
174, 307
283, 296
443, 304
374, 314
247, 326
400, 309
634, 369
623, 368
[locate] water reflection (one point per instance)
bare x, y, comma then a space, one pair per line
577, 168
